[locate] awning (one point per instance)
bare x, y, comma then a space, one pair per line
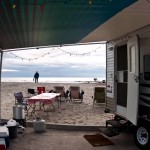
33, 23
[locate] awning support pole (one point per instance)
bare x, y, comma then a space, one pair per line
0, 80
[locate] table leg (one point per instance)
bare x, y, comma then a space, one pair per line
33, 110
31, 106
58, 98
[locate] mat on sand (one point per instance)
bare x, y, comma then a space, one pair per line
97, 140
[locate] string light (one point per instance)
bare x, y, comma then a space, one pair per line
82, 54
90, 2
48, 53
42, 7
13, 5
66, 2
45, 2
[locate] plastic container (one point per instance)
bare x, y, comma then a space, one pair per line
39, 125
12, 127
4, 133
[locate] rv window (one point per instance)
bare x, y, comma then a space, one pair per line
132, 59
146, 67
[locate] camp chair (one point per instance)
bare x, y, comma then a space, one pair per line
99, 95
40, 90
31, 92
75, 94
64, 94
20, 100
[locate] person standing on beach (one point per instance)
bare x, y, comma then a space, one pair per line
36, 77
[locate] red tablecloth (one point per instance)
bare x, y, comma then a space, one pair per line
45, 98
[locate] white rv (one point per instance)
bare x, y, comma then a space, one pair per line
128, 81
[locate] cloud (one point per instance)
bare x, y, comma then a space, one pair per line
63, 61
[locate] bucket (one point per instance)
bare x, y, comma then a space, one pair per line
12, 131
18, 112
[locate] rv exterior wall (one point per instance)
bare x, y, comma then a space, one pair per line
110, 104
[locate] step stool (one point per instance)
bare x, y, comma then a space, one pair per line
114, 123
109, 131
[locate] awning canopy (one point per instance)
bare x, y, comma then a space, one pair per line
130, 19
34, 23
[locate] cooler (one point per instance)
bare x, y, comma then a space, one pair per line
4, 133
2, 144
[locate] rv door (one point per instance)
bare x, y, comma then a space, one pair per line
133, 80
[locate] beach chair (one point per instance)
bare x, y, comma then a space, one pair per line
20, 99
75, 94
40, 90
64, 94
31, 92
99, 95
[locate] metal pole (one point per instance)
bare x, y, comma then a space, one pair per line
0, 79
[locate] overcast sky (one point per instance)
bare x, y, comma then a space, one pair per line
66, 61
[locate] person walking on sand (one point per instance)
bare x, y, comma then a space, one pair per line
36, 76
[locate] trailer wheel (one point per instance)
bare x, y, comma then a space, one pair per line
142, 137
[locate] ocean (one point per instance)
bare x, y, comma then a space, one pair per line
51, 79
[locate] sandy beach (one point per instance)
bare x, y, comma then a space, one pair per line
69, 113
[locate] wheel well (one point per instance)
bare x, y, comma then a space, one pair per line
143, 122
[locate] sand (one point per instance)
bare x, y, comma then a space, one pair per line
69, 113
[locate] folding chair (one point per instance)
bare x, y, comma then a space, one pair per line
99, 95
40, 90
75, 94
20, 100
31, 92
64, 94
